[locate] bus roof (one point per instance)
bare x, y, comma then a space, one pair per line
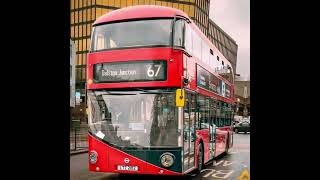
139, 12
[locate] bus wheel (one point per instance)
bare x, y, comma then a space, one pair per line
200, 159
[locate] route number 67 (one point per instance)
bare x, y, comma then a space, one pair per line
151, 70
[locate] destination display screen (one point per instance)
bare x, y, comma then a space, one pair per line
210, 82
130, 71
207, 80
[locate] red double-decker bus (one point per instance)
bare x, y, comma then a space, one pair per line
160, 94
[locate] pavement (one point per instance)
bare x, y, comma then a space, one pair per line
228, 167
80, 151
78, 140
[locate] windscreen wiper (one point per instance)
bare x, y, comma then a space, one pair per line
145, 91
119, 94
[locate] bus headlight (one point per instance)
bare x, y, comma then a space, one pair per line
93, 157
167, 159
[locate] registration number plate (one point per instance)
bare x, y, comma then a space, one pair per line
127, 168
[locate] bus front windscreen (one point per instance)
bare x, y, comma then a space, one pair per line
141, 33
134, 118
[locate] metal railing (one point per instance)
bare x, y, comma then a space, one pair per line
79, 138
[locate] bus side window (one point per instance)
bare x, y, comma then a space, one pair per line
221, 117
229, 115
207, 107
196, 45
225, 115
212, 119
217, 114
193, 109
188, 39
186, 118
178, 33
100, 42
203, 111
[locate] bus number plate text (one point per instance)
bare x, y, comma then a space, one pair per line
127, 168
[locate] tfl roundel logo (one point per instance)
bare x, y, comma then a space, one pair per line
126, 160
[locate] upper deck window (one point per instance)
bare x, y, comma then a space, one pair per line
179, 33
141, 33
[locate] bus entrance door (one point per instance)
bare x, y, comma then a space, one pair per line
212, 128
189, 135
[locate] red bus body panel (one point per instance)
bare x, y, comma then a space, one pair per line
173, 58
109, 158
203, 135
221, 140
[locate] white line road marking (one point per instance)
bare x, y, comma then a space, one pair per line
227, 164
208, 174
216, 164
225, 174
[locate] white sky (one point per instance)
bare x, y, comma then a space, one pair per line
233, 16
